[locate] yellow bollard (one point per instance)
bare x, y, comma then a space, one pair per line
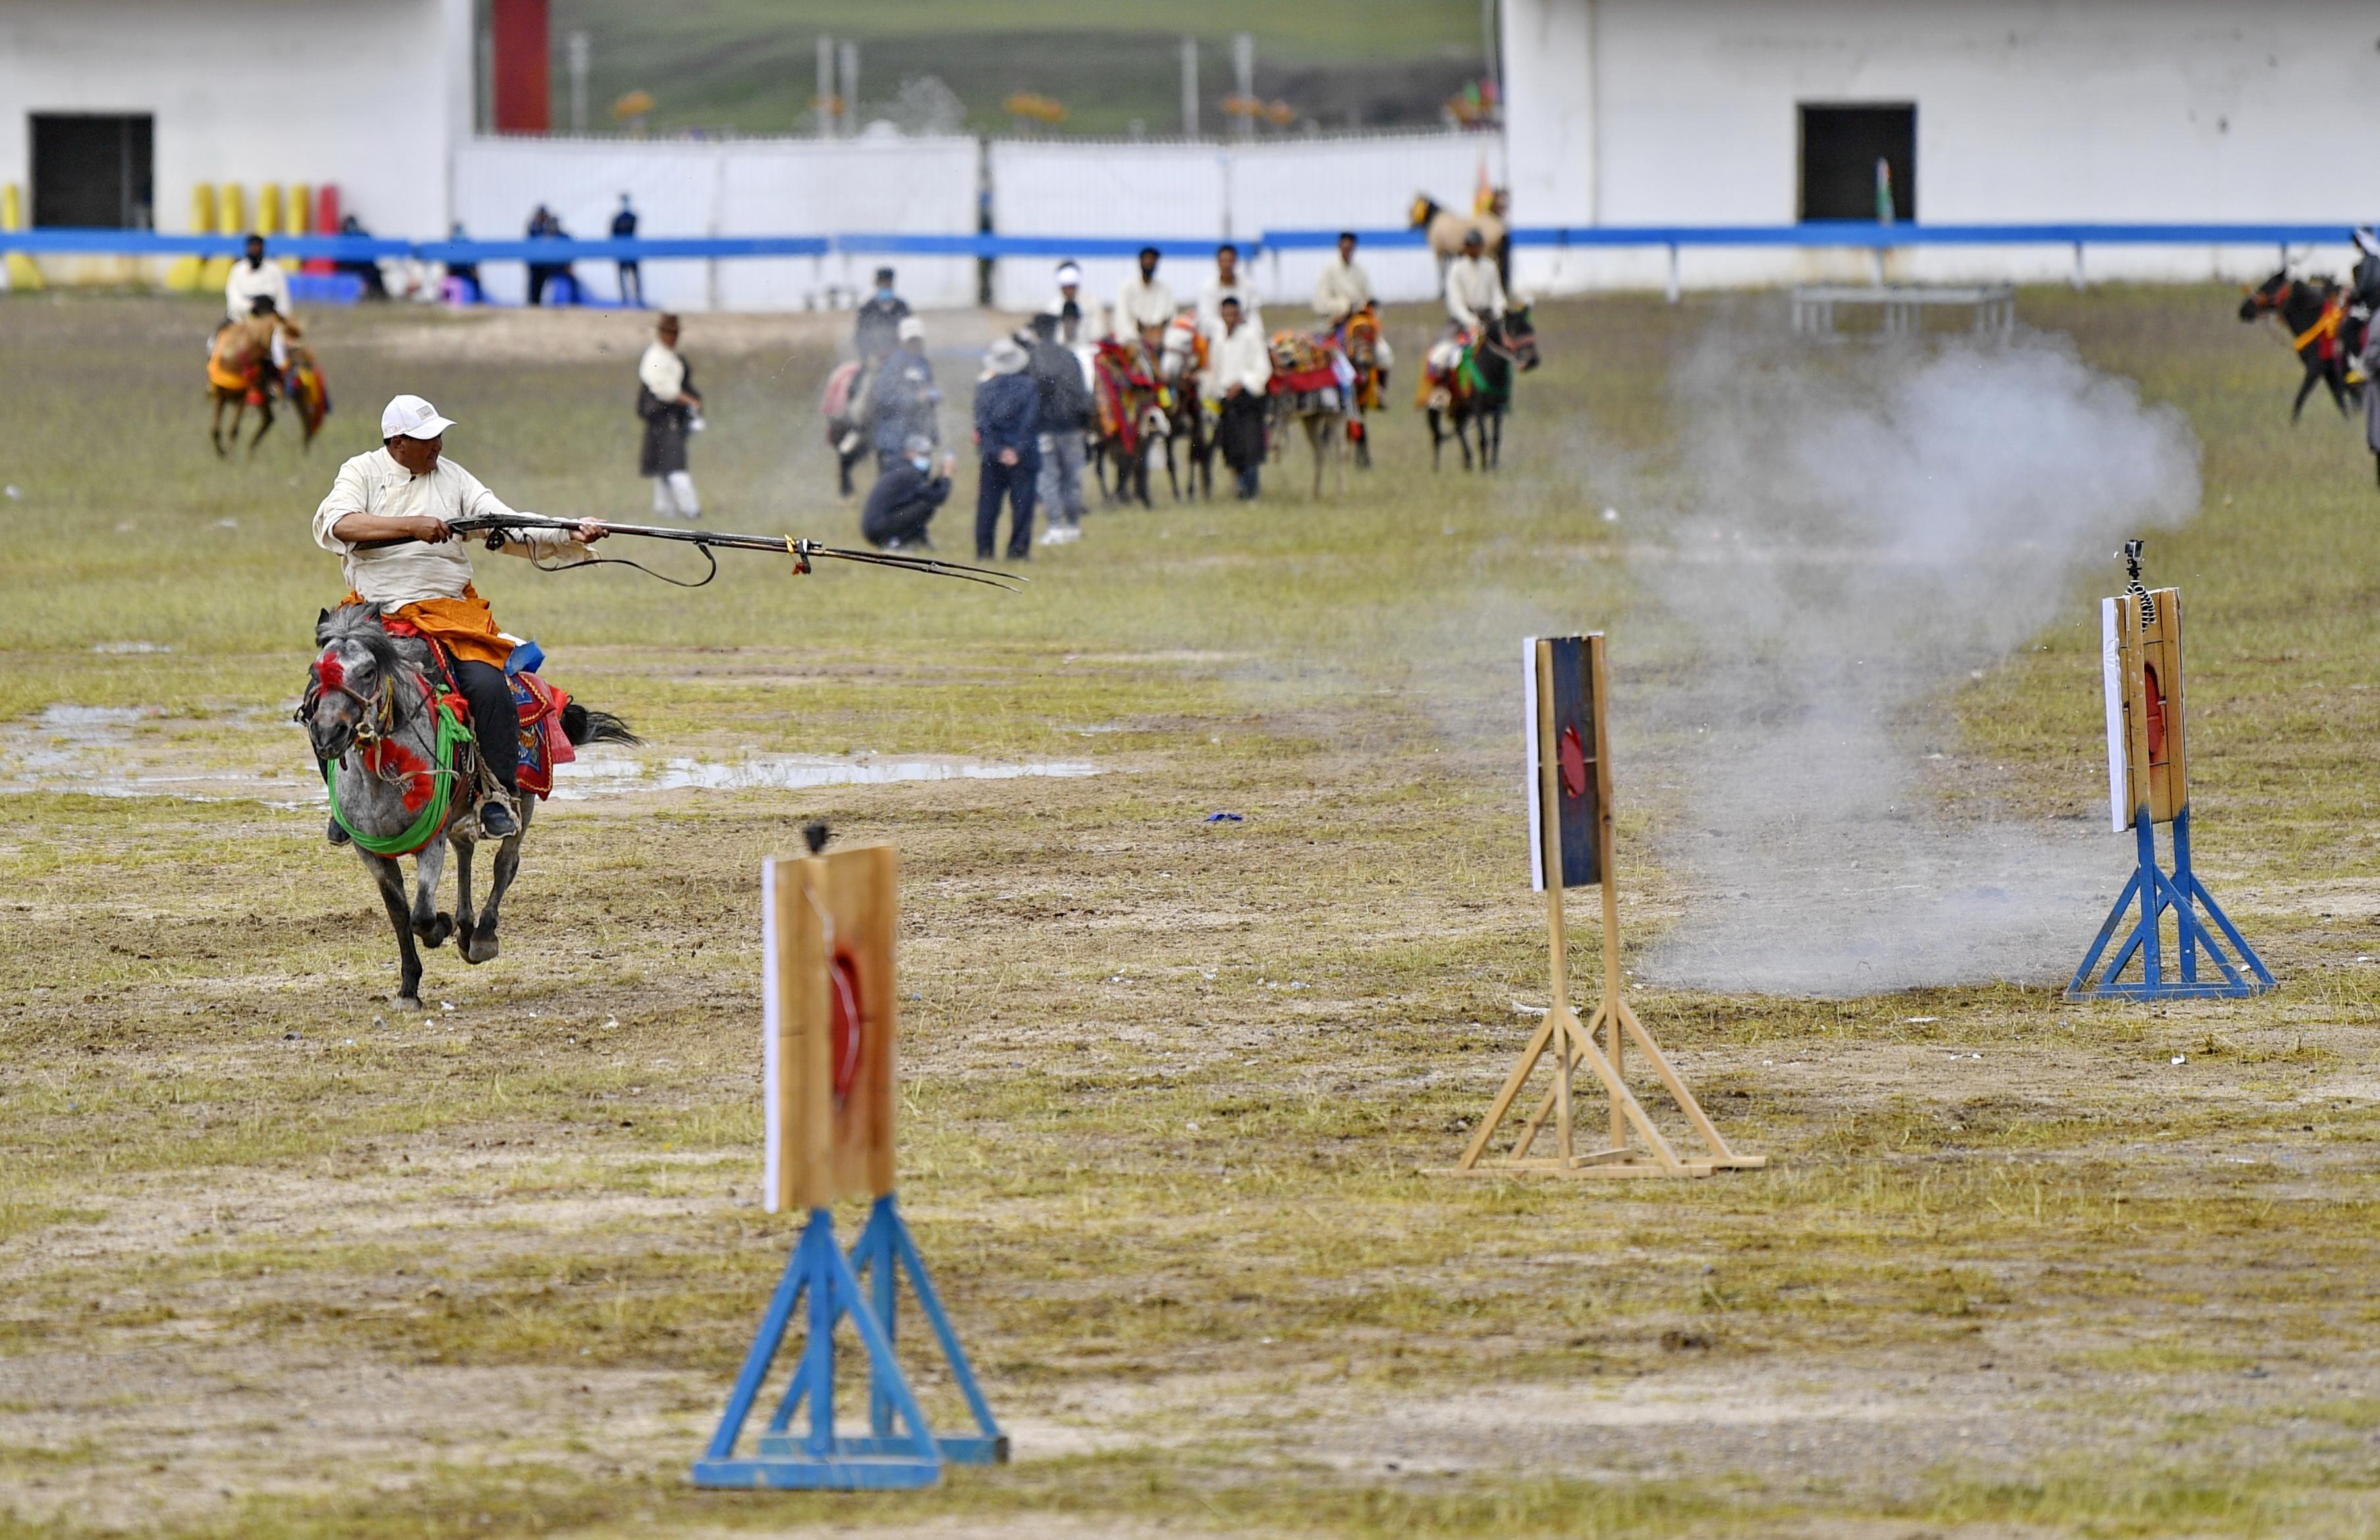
183, 273
22, 273
231, 219
300, 217
274, 218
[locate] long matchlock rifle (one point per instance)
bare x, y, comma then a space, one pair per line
495, 528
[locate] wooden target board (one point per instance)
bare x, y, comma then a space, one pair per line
827, 926
1565, 693
2148, 770
1569, 763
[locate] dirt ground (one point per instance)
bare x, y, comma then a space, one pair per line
276, 1259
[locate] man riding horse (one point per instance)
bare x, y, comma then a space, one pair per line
386, 518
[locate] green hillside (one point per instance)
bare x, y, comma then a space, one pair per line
750, 67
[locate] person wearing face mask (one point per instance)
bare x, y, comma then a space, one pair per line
902, 396
904, 498
1082, 320
878, 329
1145, 301
251, 277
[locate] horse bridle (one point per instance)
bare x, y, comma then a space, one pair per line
379, 712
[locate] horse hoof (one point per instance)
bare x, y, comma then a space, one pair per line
409, 1002
481, 947
434, 934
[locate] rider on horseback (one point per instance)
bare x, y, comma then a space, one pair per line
1342, 286
386, 518
1475, 293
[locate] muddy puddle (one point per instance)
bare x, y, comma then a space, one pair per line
257, 756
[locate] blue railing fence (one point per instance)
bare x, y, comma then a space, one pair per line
1854, 234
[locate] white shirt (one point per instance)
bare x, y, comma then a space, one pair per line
1340, 288
411, 571
1211, 298
663, 371
1092, 324
246, 283
1241, 358
1142, 303
1472, 291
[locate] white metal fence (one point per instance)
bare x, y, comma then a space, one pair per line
1227, 192
931, 187
919, 187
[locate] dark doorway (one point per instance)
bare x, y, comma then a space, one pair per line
90, 171
1840, 149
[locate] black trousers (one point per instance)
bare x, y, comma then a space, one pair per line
1015, 483
494, 721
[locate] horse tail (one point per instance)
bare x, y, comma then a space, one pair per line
582, 726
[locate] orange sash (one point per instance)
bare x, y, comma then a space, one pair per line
466, 626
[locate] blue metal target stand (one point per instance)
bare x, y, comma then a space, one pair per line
827, 926
2148, 784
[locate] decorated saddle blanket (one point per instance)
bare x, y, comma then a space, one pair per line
542, 744
1303, 363
1124, 387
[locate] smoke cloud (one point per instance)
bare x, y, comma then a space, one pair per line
1866, 530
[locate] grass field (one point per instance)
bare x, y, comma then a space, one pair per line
279, 1262
745, 65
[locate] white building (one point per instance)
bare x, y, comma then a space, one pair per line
111, 110
1768, 111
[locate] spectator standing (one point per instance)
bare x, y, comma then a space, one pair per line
251, 277
1144, 301
905, 497
632, 277
1242, 367
1063, 415
877, 330
1082, 320
672, 408
902, 396
1007, 405
1342, 286
544, 224
1228, 282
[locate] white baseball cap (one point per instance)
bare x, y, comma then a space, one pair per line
910, 327
1069, 273
409, 417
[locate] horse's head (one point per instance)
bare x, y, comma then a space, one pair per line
1425, 209
1178, 351
1520, 338
1361, 337
2266, 297
350, 690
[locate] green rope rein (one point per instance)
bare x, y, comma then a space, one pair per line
452, 736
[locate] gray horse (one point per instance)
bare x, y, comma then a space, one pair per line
369, 715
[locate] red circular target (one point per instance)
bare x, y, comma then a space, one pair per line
842, 1026
2155, 714
1572, 755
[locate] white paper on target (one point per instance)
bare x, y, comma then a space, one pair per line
1531, 788
2111, 675
772, 1095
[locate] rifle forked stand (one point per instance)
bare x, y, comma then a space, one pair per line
1566, 689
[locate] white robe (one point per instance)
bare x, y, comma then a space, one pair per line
1474, 292
1140, 303
411, 571
246, 283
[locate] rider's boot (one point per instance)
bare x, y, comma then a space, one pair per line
337, 833
496, 818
